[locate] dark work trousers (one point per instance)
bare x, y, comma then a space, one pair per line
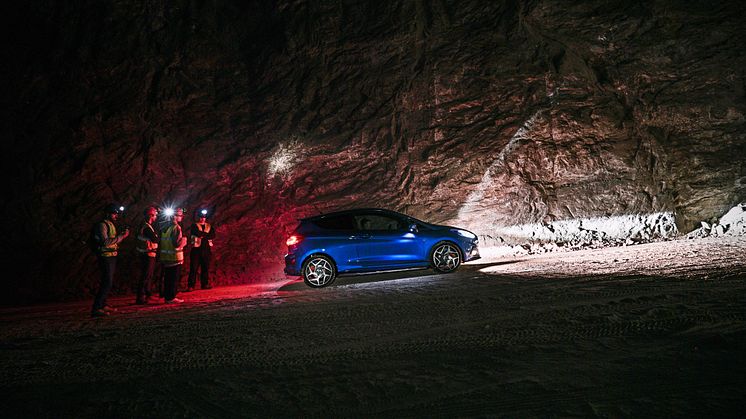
199, 258
107, 266
147, 267
170, 281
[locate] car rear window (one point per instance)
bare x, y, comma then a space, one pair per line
341, 222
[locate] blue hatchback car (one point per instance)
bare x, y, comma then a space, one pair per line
372, 240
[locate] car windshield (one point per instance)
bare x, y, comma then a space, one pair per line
420, 224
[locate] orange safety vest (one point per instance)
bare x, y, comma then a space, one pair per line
144, 245
110, 250
170, 255
196, 240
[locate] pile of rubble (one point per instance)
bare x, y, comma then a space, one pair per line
590, 233
578, 234
733, 223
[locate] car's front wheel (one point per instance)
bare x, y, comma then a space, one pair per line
318, 271
445, 257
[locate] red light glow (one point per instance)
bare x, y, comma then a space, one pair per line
294, 239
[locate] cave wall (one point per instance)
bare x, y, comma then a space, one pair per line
452, 111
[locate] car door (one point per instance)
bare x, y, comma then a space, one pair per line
339, 240
386, 242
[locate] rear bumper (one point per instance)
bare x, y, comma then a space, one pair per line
291, 267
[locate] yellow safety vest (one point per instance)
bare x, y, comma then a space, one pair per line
196, 240
110, 250
169, 254
144, 245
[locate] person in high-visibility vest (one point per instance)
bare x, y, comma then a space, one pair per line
171, 252
201, 237
147, 248
107, 240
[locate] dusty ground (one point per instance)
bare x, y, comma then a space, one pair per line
648, 330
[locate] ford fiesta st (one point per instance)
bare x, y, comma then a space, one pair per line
373, 240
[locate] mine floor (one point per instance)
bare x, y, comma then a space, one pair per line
649, 330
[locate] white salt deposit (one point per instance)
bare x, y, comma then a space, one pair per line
733, 223
524, 239
639, 227
576, 234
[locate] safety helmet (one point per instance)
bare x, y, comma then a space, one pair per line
114, 209
201, 212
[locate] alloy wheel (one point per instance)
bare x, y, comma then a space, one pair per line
318, 272
446, 258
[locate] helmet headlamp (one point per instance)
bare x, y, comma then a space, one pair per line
114, 209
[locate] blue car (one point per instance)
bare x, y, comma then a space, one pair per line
373, 240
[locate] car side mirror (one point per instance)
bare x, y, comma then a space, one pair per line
413, 228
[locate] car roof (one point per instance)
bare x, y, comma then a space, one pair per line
355, 212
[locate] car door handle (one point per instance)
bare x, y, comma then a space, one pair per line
360, 236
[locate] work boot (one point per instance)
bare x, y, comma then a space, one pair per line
175, 300
109, 309
207, 287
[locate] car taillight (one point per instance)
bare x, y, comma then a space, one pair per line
294, 239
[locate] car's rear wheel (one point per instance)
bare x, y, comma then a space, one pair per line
445, 257
318, 271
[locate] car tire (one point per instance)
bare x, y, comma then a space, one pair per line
319, 271
445, 257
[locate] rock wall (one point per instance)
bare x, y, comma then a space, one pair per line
468, 112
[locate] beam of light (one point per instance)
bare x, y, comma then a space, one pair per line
169, 208
470, 209
574, 233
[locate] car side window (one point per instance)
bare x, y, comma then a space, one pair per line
376, 222
342, 222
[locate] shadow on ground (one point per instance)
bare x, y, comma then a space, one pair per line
363, 278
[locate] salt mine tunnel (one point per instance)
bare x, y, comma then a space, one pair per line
516, 120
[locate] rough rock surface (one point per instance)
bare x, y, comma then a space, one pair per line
502, 112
